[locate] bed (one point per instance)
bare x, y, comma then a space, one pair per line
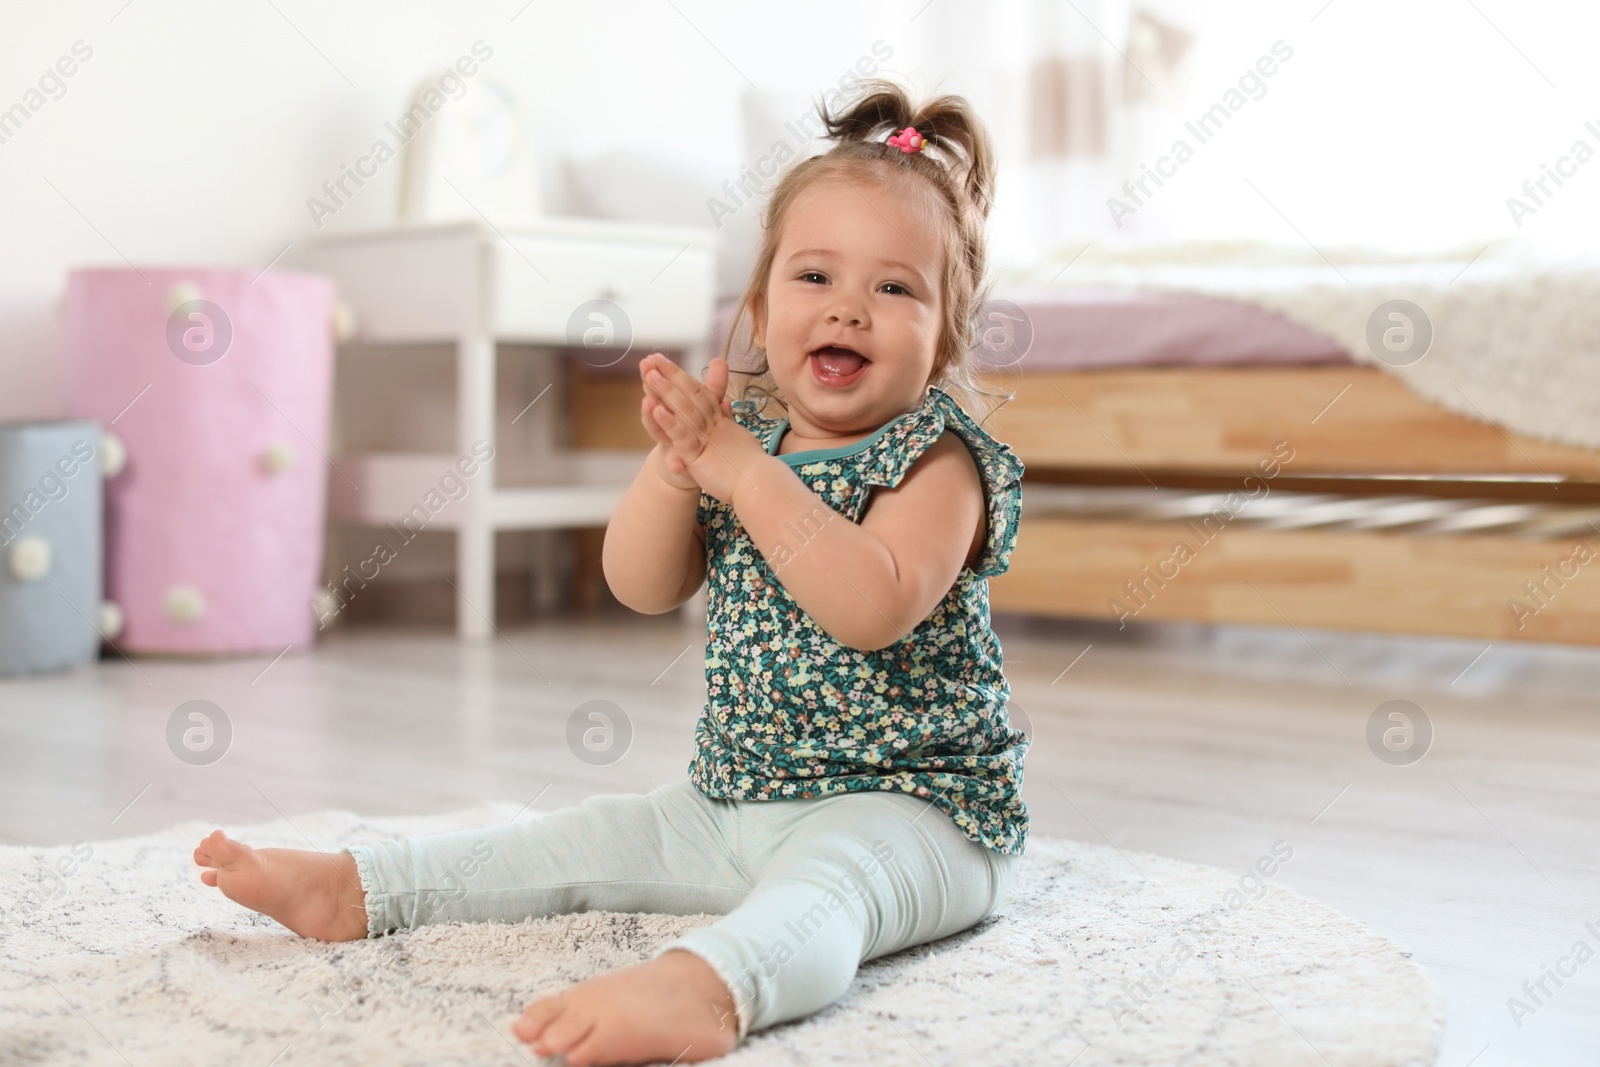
1213, 457
1396, 515
1224, 450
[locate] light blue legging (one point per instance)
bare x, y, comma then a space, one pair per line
807, 889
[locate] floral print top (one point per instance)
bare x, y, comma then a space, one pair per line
790, 712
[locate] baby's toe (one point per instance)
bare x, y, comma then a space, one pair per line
204, 852
588, 1051
563, 1032
224, 852
537, 1016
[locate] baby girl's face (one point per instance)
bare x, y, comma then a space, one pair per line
853, 308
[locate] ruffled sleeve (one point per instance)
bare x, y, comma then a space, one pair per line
999, 468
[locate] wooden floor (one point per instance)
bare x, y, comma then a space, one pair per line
1208, 744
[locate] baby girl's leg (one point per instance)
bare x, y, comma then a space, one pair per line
663, 851
666, 851
856, 877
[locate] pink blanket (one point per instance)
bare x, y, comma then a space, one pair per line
1080, 329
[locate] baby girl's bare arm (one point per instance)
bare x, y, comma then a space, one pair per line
867, 585
655, 555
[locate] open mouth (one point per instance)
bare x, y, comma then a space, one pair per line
837, 364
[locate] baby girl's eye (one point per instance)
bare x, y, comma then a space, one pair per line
811, 275
895, 287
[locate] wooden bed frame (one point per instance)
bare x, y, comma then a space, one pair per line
1349, 430
1352, 430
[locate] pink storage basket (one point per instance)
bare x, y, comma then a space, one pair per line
217, 383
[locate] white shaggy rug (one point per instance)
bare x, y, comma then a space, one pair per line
114, 953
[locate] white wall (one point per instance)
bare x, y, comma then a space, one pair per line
1398, 122
196, 131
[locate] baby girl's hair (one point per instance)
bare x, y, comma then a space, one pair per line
953, 175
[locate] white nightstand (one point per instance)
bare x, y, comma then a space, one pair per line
475, 285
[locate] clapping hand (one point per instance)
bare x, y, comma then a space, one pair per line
692, 422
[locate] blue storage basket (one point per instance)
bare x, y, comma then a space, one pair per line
50, 545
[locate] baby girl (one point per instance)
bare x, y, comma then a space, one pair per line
855, 787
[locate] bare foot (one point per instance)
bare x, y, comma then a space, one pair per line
315, 894
672, 1009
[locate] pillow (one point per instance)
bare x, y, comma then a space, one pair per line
668, 186
686, 188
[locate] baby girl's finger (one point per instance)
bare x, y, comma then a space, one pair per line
698, 403
649, 367
717, 384
647, 409
660, 386
652, 373
690, 395
647, 419
717, 377
686, 395
688, 438
668, 422
664, 431
691, 426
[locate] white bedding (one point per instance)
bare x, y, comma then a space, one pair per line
1516, 338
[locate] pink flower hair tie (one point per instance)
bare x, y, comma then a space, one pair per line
908, 140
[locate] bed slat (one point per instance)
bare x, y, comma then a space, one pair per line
1338, 419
